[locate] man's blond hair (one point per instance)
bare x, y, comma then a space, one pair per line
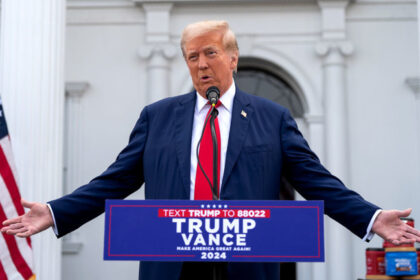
202, 27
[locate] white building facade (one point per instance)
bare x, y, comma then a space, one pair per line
74, 76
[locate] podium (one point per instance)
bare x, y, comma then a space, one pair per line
214, 231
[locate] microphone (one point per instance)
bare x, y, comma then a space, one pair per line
213, 95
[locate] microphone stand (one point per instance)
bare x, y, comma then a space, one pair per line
213, 95
214, 114
217, 266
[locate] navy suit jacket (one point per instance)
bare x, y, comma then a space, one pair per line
263, 146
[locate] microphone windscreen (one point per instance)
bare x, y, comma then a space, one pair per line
213, 94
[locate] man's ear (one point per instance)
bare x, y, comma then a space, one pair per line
234, 61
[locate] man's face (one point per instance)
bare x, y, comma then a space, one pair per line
209, 63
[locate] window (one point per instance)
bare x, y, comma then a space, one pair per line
265, 79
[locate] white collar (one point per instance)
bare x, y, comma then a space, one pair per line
226, 99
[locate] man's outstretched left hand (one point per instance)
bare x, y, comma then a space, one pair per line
390, 227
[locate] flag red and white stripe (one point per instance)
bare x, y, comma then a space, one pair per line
15, 253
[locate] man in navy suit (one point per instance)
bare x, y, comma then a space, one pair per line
260, 143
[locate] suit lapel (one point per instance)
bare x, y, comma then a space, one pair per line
183, 132
241, 116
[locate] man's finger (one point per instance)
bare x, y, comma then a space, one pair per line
16, 226
12, 221
414, 237
410, 236
27, 204
404, 213
24, 234
11, 227
3, 229
413, 231
405, 240
401, 240
15, 231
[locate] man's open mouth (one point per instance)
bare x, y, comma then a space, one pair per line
205, 78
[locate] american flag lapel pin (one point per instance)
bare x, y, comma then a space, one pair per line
243, 113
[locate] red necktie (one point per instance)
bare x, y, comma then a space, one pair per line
202, 189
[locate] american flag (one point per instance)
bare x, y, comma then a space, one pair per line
15, 253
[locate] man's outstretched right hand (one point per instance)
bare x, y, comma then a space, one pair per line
36, 220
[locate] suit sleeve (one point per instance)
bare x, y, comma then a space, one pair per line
122, 178
314, 182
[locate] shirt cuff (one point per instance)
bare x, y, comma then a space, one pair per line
369, 233
54, 227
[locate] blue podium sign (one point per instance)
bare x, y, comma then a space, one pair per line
224, 230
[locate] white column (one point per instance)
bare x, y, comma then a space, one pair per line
73, 134
72, 243
418, 26
31, 83
333, 48
158, 69
338, 242
335, 105
414, 84
158, 50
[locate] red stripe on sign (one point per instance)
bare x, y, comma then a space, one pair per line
9, 180
213, 213
15, 254
2, 272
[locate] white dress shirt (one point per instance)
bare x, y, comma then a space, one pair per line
224, 117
